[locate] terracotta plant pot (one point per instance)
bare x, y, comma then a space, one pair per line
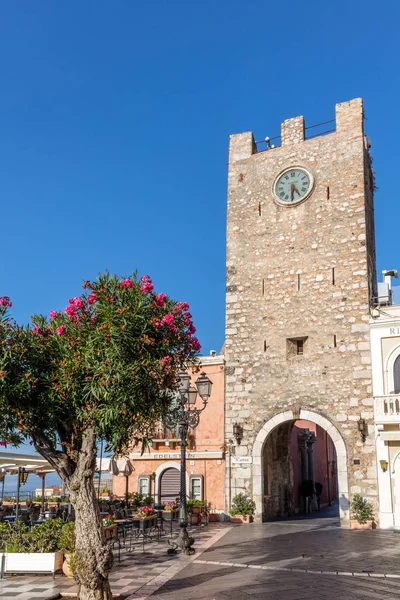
194, 519
356, 525
196, 510
110, 531
66, 568
240, 519
213, 517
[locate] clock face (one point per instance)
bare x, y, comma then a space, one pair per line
293, 185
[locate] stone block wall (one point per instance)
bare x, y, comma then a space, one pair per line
304, 271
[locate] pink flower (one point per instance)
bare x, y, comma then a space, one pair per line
92, 298
195, 343
145, 278
127, 283
192, 329
160, 299
61, 330
181, 306
71, 310
147, 287
77, 302
5, 301
168, 319
36, 330
2, 373
54, 314
166, 360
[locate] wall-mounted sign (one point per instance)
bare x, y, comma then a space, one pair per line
242, 460
394, 331
174, 455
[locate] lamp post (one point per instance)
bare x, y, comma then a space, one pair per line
185, 415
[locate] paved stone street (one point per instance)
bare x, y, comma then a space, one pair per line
139, 574
292, 560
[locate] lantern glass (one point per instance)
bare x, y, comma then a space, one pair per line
204, 385
23, 476
184, 382
192, 395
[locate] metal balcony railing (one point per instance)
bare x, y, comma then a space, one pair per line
387, 408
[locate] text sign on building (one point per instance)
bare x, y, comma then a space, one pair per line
394, 331
174, 455
242, 460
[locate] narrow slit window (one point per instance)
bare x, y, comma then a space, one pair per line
299, 347
259, 209
263, 287
333, 275
327, 192
334, 341
298, 282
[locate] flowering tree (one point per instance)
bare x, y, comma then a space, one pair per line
102, 369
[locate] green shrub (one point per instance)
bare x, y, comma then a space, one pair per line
242, 505
41, 538
361, 510
67, 538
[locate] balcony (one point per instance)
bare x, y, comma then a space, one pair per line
387, 409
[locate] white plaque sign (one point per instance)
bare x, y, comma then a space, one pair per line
242, 460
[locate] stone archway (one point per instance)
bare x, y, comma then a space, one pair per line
337, 440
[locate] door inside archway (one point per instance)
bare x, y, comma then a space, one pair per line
169, 485
298, 456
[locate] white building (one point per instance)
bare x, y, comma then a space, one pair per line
385, 354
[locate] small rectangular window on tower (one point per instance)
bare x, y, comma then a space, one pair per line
296, 347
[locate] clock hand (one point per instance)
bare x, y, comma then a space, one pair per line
295, 189
292, 188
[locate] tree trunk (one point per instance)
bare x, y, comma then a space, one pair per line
93, 559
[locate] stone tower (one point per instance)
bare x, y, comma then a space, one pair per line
300, 283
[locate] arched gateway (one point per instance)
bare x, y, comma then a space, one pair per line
341, 457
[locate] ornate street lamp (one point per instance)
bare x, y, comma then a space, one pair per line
185, 415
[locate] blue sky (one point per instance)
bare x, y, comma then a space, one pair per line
115, 119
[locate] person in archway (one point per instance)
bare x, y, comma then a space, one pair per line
318, 491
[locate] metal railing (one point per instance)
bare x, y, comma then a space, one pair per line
387, 408
275, 142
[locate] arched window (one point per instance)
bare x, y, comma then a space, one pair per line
396, 375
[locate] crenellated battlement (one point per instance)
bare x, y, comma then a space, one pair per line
349, 120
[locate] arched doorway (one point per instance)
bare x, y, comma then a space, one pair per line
169, 485
273, 476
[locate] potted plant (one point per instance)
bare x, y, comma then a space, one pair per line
67, 545
110, 527
194, 508
35, 550
170, 511
147, 517
212, 514
362, 513
135, 500
242, 509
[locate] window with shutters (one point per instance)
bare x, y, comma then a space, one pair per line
144, 485
196, 487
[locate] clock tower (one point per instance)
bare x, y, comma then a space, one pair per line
300, 284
